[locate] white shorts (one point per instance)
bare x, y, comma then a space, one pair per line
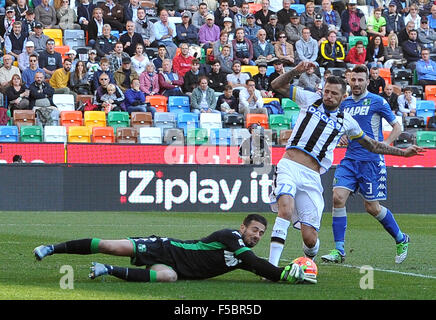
302, 184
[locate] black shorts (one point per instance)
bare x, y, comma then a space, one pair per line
149, 251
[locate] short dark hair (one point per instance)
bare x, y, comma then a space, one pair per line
249, 80
255, 217
337, 80
359, 42
425, 49
228, 87
407, 89
361, 69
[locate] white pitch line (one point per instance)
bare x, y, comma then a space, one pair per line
391, 271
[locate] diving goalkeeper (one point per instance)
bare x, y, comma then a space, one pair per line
168, 259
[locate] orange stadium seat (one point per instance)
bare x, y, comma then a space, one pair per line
62, 50
158, 101
254, 7
103, 135
385, 73
261, 119
430, 92
71, 118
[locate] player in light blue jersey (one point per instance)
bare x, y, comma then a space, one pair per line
363, 171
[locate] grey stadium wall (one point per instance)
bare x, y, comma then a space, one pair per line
187, 188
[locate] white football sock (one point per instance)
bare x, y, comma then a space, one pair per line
278, 238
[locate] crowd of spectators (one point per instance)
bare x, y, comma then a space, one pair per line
199, 49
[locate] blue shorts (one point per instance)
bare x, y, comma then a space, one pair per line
365, 177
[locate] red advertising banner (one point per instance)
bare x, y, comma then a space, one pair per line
33, 152
164, 154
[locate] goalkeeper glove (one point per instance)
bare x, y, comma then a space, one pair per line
293, 273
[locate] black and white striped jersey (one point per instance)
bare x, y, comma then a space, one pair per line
316, 130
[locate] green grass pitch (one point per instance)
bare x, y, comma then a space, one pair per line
23, 278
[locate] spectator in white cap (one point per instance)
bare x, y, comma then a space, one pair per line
209, 32
229, 27
72, 54
23, 58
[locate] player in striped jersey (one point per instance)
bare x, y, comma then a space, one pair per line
362, 171
169, 259
297, 190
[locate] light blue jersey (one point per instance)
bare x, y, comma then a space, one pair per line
368, 112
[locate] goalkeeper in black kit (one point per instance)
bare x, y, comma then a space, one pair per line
168, 259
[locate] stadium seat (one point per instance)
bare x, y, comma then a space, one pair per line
270, 70
94, 119
220, 136
385, 41
385, 73
174, 136
233, 120
404, 140
103, 135
165, 120
115, 33
150, 135
288, 104
64, 102
426, 139
178, 104
252, 70
55, 134
299, 8
71, 118
158, 101
74, 38
127, 135
254, 7
82, 53
55, 34
353, 39
80, 134
24, 118
402, 76
417, 91
187, 120
197, 136
291, 110
151, 52
9, 134
141, 119
31, 134
387, 127
239, 135
118, 119
430, 93
261, 119
210, 120
425, 109
279, 122
414, 122
62, 50
284, 137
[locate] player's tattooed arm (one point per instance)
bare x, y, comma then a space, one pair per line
282, 83
382, 148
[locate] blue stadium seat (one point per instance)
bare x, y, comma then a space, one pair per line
187, 120
425, 109
300, 8
9, 134
165, 120
178, 104
221, 137
270, 70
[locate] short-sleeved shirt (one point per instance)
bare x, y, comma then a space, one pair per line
376, 24
317, 130
368, 111
208, 257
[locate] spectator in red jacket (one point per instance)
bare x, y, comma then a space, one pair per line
356, 55
182, 62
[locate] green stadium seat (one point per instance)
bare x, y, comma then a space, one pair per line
197, 136
116, 119
279, 122
353, 39
288, 104
31, 134
426, 139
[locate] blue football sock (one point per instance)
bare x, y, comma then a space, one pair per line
386, 218
339, 226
